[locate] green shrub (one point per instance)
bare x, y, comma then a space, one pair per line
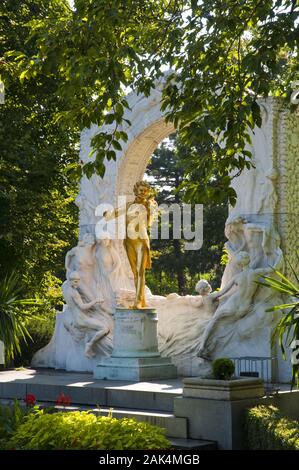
223, 369
11, 416
267, 429
41, 318
83, 430
41, 331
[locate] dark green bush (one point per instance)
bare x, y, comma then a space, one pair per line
267, 429
223, 369
41, 331
11, 416
83, 430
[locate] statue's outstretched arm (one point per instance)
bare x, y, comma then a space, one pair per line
223, 291
114, 213
70, 254
264, 271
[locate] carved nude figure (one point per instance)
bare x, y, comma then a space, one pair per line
109, 272
86, 321
81, 259
237, 305
254, 234
205, 300
234, 232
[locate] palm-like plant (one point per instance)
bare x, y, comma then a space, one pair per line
287, 328
13, 315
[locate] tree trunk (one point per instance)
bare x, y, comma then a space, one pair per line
177, 247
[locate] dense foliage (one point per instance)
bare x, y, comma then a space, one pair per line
83, 430
267, 429
223, 368
38, 220
174, 268
224, 55
10, 418
13, 315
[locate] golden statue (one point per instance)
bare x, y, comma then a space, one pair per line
139, 217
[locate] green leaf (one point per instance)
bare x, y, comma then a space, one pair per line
109, 118
116, 145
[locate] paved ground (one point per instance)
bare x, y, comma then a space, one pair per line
47, 384
80, 379
84, 379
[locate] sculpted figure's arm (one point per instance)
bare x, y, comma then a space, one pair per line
114, 213
196, 301
278, 263
82, 306
68, 259
263, 271
220, 293
266, 271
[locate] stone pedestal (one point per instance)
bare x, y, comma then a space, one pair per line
212, 389
135, 354
215, 409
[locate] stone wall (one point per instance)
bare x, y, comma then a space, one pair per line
288, 203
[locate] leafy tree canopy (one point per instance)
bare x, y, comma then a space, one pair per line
38, 220
224, 55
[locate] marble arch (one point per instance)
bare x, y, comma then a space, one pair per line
263, 223
135, 160
148, 128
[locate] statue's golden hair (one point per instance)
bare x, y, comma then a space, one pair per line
141, 183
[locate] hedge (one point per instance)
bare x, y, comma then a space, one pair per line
267, 429
83, 430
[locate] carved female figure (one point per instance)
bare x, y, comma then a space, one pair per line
234, 232
86, 321
109, 272
81, 259
236, 306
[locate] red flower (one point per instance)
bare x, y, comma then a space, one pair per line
30, 399
63, 399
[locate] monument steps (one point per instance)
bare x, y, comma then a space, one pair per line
150, 402
83, 389
176, 428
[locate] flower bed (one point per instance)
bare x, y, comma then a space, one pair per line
49, 429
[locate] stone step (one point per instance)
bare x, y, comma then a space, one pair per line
192, 444
175, 427
85, 390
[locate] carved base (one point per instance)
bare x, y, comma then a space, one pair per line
134, 368
135, 354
